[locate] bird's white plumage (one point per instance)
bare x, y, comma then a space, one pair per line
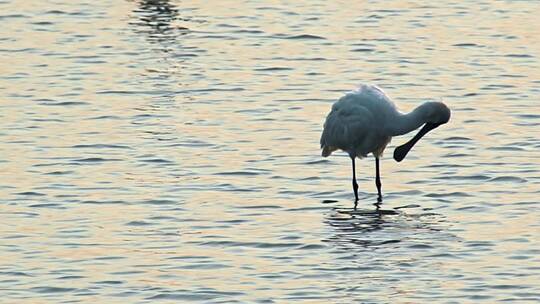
364, 121
357, 123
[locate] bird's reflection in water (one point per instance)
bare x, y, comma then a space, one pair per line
357, 226
156, 19
379, 227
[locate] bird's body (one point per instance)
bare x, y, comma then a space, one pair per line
357, 123
365, 120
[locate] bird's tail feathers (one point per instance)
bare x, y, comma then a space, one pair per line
326, 151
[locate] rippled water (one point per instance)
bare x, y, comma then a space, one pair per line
160, 150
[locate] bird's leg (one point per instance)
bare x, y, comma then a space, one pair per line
378, 180
354, 183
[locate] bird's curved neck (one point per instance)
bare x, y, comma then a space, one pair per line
406, 123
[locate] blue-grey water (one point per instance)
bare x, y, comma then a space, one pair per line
156, 151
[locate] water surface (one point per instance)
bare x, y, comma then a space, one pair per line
168, 151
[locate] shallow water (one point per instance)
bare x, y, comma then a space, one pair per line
152, 153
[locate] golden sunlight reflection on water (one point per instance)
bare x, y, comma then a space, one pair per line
166, 150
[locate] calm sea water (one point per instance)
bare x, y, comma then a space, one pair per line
168, 151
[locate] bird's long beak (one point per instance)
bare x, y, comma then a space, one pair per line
401, 151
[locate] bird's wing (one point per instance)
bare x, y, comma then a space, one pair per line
346, 127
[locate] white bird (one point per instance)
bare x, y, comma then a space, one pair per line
365, 120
